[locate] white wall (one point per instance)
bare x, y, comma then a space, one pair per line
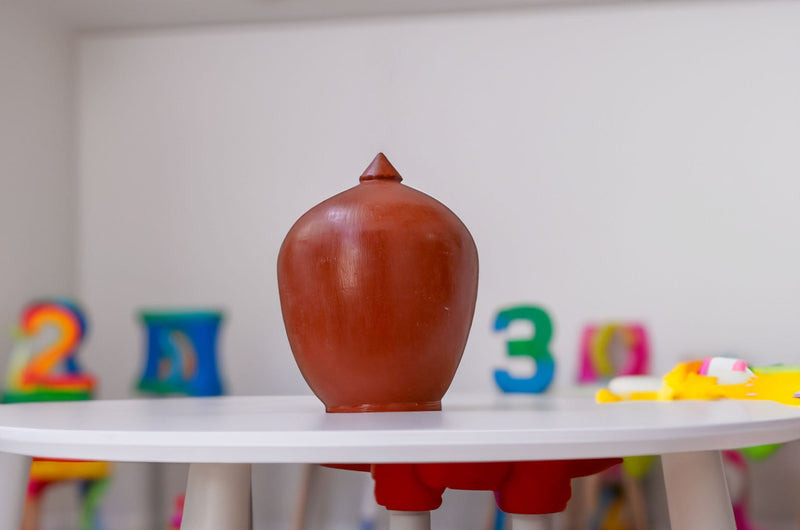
632, 162
37, 188
37, 185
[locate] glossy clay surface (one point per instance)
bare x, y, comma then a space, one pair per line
378, 287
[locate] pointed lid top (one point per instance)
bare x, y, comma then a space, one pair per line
380, 169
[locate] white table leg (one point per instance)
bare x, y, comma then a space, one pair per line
531, 522
301, 505
697, 493
409, 520
15, 470
217, 496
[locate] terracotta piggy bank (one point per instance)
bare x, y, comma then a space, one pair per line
378, 287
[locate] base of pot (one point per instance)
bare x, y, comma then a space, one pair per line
411, 406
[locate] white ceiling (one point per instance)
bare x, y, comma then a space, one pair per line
118, 14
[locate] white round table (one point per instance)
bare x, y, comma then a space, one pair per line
222, 437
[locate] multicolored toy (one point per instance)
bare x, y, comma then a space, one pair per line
93, 478
44, 367
601, 346
537, 347
181, 354
43, 363
712, 378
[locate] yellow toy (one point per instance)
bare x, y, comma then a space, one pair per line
712, 378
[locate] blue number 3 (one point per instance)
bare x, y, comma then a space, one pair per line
536, 347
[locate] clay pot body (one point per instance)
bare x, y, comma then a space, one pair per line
378, 287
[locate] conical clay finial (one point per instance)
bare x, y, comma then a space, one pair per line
380, 169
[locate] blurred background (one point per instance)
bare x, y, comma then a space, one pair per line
613, 160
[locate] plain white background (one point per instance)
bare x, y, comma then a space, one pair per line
38, 214
633, 162
37, 185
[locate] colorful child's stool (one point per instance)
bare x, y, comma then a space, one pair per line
92, 477
44, 367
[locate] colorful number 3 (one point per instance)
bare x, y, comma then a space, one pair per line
536, 347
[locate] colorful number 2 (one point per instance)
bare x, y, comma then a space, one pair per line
52, 367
